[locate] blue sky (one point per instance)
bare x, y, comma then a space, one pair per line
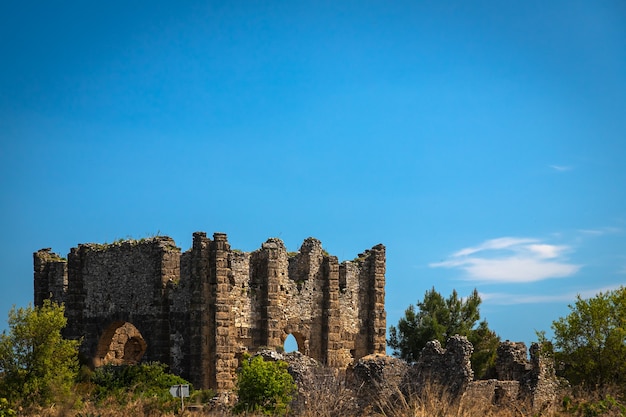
482, 142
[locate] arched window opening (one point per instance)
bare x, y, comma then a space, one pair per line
294, 341
290, 345
120, 344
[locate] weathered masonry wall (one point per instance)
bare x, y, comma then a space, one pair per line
197, 311
532, 382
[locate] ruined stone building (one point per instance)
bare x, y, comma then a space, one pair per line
197, 311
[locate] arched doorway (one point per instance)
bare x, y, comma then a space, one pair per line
120, 344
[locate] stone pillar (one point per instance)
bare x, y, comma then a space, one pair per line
164, 250
378, 316
75, 302
275, 250
201, 319
225, 362
331, 327
50, 277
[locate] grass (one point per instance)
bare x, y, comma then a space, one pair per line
333, 398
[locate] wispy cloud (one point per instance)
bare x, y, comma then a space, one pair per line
511, 260
601, 231
561, 168
567, 297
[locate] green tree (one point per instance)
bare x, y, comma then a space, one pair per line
590, 341
264, 386
437, 318
37, 366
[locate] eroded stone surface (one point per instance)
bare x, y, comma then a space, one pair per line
378, 380
121, 344
450, 367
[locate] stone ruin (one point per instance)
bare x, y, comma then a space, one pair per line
378, 384
199, 310
518, 379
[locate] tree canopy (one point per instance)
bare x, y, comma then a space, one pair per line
36, 364
438, 318
590, 341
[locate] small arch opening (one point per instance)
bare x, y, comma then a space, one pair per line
294, 342
120, 344
290, 345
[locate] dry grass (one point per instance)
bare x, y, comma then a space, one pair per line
433, 401
332, 398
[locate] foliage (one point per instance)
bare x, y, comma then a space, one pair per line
587, 407
143, 380
485, 342
591, 341
202, 396
264, 386
5, 408
37, 365
437, 318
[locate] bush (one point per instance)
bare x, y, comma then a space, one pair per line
590, 342
264, 386
37, 366
5, 408
149, 380
592, 405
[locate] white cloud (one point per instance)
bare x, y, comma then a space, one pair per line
544, 251
568, 297
601, 231
499, 243
561, 168
511, 260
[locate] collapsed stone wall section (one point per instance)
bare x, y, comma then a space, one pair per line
450, 368
518, 378
198, 311
379, 379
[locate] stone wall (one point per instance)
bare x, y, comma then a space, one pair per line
519, 378
531, 382
450, 367
197, 311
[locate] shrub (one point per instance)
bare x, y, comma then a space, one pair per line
122, 382
264, 386
5, 408
37, 366
590, 342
